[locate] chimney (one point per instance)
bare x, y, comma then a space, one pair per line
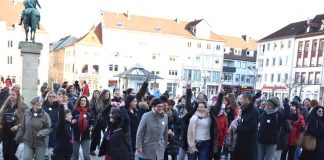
308, 24
128, 15
244, 37
177, 20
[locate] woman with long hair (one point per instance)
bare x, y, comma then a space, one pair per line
315, 127
100, 113
94, 98
82, 125
11, 116
130, 106
51, 107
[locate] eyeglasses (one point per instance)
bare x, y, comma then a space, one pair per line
51, 96
83, 100
12, 94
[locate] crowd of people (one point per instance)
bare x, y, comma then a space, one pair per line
126, 125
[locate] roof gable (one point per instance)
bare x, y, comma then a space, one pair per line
94, 37
239, 42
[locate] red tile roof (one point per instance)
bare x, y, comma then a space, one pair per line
239, 42
150, 24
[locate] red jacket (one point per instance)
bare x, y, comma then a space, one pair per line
295, 131
222, 129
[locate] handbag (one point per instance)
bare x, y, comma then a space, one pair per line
307, 141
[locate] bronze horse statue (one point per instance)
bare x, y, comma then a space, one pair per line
30, 22
30, 17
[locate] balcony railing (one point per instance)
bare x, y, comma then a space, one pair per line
229, 69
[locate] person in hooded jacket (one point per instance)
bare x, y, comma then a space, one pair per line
115, 145
315, 127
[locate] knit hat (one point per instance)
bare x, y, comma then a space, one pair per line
62, 90
274, 101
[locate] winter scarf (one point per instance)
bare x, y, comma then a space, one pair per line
267, 111
191, 135
82, 118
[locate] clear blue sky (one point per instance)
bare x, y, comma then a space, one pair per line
256, 18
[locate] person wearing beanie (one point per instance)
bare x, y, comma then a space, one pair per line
269, 126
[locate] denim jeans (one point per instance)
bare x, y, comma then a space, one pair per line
203, 151
85, 145
266, 152
182, 154
31, 153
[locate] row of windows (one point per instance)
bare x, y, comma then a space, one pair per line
308, 78
198, 76
228, 77
208, 46
274, 62
275, 45
85, 69
304, 45
279, 78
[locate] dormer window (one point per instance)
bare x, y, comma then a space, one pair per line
157, 29
119, 24
193, 30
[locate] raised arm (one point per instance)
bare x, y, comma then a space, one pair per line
140, 94
218, 106
188, 104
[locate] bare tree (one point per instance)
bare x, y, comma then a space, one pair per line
294, 83
290, 83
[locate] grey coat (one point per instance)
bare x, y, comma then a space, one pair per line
152, 136
35, 129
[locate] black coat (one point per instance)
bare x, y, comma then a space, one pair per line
133, 124
315, 127
246, 142
173, 148
116, 145
63, 132
53, 112
77, 136
270, 124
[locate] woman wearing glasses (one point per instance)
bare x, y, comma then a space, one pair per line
11, 116
315, 127
152, 133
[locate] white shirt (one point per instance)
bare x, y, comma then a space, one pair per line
203, 129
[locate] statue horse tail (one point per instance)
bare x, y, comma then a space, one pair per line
31, 21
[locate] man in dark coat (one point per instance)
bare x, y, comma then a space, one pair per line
246, 142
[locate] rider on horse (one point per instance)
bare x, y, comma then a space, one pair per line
30, 4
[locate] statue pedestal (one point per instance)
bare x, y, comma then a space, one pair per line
30, 53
